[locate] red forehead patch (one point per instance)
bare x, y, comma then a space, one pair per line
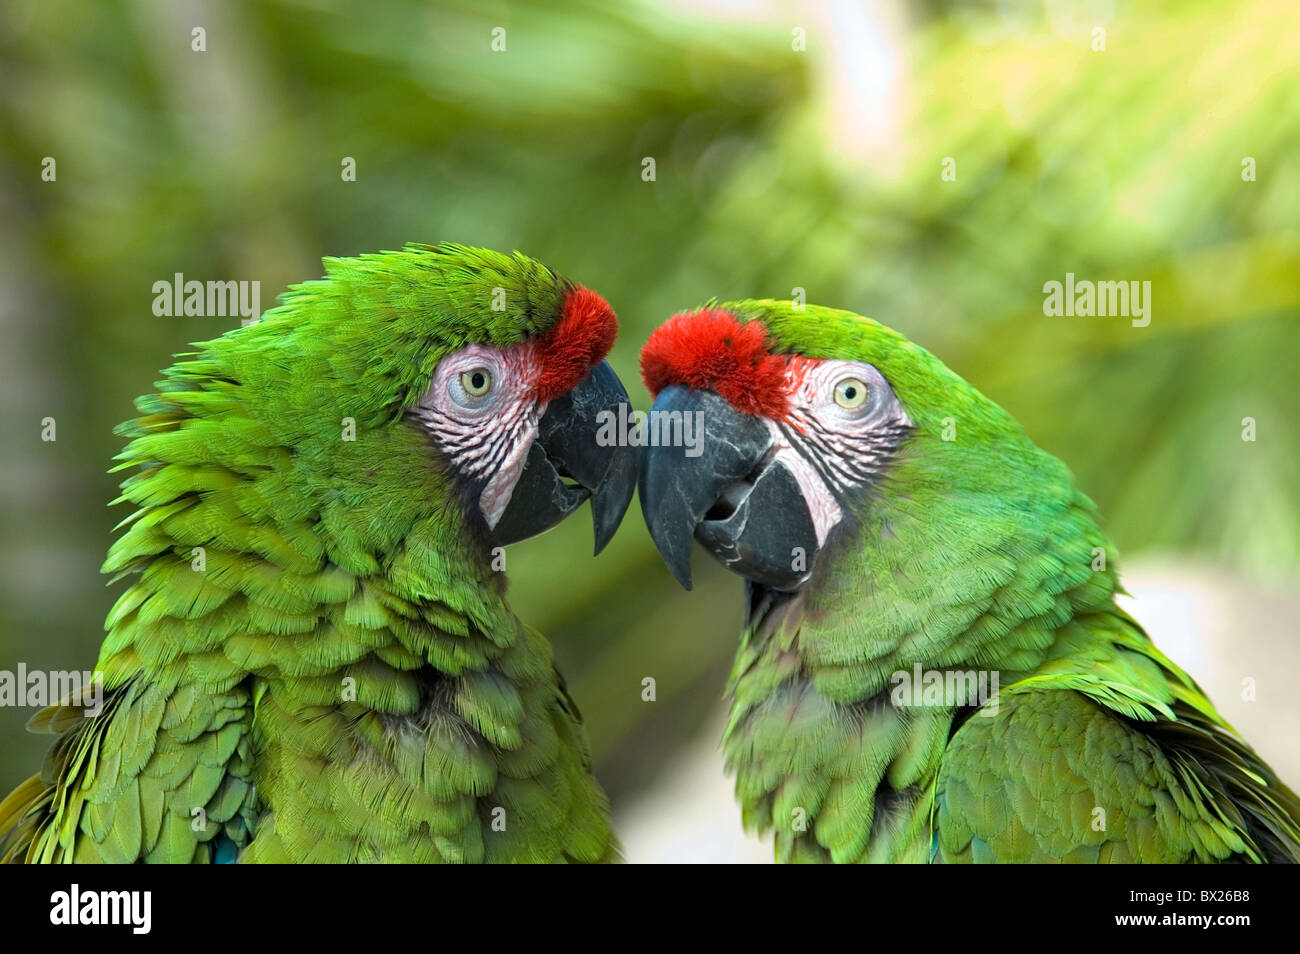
578, 341
711, 349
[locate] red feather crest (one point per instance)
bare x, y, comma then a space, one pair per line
711, 349
578, 341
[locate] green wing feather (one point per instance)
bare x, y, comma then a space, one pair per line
1109, 753
155, 776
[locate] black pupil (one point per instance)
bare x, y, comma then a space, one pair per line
476, 379
850, 392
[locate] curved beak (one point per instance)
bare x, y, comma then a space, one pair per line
726, 491
575, 456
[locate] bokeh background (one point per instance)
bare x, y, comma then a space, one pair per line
795, 147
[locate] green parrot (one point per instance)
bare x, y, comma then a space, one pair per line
316, 661
932, 666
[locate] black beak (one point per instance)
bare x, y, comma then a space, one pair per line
740, 504
569, 462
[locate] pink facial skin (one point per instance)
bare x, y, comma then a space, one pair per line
487, 435
843, 436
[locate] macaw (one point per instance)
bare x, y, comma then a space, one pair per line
933, 667
315, 660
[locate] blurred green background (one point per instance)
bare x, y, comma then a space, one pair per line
777, 167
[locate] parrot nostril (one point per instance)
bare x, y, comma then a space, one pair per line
726, 505
730, 501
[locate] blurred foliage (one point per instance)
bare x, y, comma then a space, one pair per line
1122, 164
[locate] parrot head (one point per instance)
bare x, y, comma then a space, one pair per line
518, 421
405, 379
814, 420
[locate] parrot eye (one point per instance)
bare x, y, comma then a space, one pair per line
477, 382
471, 389
850, 393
